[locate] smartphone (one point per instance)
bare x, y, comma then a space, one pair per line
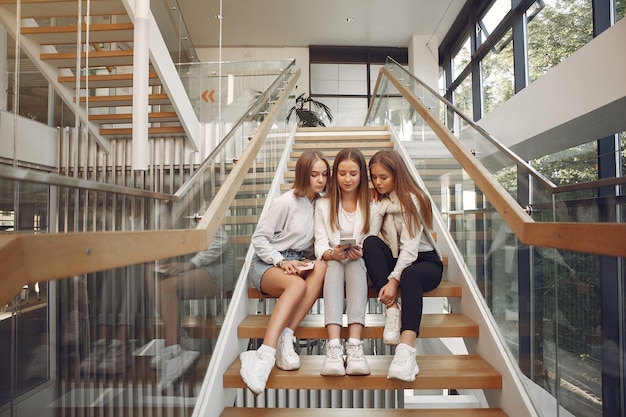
306, 266
346, 241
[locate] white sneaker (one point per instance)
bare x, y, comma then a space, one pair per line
186, 343
403, 366
116, 360
286, 356
175, 362
255, 369
356, 364
333, 364
391, 333
98, 352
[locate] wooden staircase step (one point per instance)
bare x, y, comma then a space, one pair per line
361, 412
123, 100
337, 145
96, 58
436, 372
348, 137
340, 129
331, 154
108, 80
152, 131
115, 118
445, 289
312, 327
65, 35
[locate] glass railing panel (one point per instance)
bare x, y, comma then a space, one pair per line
172, 26
506, 167
62, 351
546, 302
224, 91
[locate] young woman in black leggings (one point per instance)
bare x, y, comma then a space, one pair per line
400, 253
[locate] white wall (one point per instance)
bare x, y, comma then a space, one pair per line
580, 100
423, 60
301, 55
37, 143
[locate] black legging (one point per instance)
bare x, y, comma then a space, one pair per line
421, 276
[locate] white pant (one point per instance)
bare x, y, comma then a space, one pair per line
352, 276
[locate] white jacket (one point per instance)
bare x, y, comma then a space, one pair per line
327, 238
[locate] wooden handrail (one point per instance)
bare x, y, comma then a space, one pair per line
598, 238
27, 259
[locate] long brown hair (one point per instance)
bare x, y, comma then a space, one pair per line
304, 166
405, 186
355, 155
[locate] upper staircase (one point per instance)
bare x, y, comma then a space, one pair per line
104, 78
441, 373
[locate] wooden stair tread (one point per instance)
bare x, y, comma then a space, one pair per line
436, 372
152, 131
348, 138
96, 58
99, 32
108, 80
331, 154
317, 130
336, 145
445, 289
361, 412
312, 327
123, 100
153, 117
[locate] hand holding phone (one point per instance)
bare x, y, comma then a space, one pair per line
348, 241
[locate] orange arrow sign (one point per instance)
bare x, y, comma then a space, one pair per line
208, 95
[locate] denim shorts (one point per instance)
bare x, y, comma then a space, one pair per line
258, 266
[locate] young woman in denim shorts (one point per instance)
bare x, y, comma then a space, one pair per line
283, 242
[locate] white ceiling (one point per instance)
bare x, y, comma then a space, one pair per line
300, 23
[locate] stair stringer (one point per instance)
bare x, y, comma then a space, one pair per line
213, 398
490, 344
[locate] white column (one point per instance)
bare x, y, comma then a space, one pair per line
141, 62
423, 61
4, 72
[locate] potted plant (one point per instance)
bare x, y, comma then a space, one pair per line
307, 117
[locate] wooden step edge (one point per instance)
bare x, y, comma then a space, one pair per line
436, 372
360, 412
433, 325
445, 289
96, 27
107, 80
123, 97
151, 131
340, 145
338, 138
341, 128
92, 54
128, 117
332, 153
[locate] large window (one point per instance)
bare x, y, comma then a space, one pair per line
344, 78
497, 74
560, 29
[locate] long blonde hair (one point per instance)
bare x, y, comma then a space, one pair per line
405, 186
355, 155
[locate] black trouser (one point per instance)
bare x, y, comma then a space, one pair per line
421, 276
